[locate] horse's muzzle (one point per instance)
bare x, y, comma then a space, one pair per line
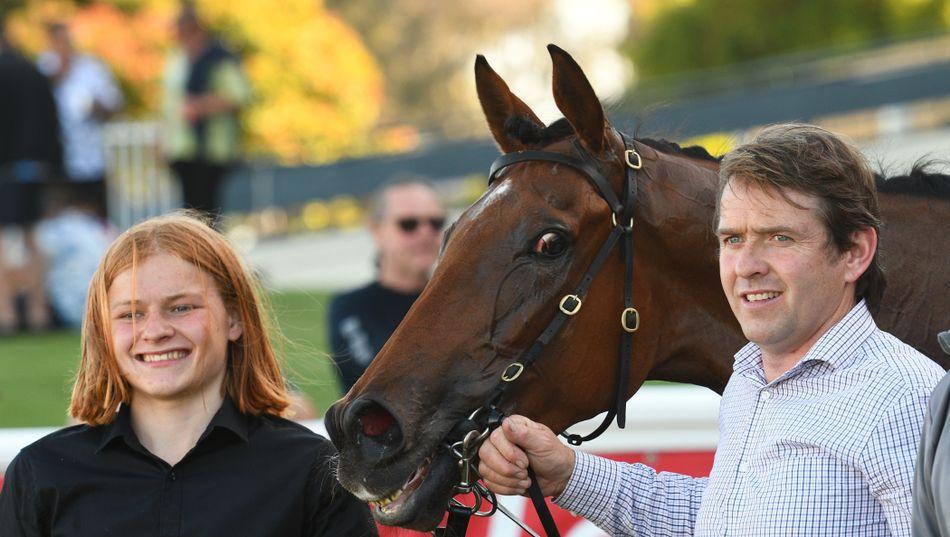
367, 426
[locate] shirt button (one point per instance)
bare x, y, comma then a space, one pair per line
765, 395
171, 476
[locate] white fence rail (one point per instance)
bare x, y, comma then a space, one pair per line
139, 183
659, 419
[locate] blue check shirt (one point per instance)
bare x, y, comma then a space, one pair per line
828, 448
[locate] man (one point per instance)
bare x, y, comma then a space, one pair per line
73, 234
820, 419
86, 96
205, 90
405, 220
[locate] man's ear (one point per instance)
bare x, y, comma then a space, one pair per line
858, 258
235, 326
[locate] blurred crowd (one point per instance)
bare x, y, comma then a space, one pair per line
52, 180
54, 213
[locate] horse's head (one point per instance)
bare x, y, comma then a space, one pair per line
505, 266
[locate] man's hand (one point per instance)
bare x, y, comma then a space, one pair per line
504, 458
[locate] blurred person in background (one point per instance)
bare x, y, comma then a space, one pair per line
204, 92
86, 96
30, 157
71, 242
180, 396
74, 233
406, 220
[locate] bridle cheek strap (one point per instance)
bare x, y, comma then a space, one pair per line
622, 209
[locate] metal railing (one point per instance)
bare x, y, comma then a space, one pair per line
139, 183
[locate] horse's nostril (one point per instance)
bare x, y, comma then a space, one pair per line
378, 428
375, 421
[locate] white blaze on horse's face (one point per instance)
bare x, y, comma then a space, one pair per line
784, 281
489, 198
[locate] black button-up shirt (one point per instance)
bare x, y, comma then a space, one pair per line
247, 476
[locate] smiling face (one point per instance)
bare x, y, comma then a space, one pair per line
170, 330
785, 282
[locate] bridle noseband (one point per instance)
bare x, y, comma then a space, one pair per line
472, 432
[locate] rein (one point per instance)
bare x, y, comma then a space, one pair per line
473, 431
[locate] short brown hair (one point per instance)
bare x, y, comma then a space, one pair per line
813, 161
378, 205
253, 379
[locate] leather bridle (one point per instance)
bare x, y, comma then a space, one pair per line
472, 431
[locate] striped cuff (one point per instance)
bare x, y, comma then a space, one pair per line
593, 487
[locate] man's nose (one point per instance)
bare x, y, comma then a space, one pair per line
750, 262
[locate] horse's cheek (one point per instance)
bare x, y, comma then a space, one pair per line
518, 298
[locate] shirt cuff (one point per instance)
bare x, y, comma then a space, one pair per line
593, 487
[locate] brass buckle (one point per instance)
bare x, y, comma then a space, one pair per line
508, 375
623, 320
613, 219
633, 152
569, 309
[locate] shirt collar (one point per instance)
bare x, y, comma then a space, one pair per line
121, 427
228, 417
836, 347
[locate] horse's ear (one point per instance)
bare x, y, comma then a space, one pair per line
577, 101
499, 105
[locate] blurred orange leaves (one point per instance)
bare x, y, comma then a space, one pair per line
318, 92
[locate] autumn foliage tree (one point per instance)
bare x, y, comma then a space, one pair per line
318, 92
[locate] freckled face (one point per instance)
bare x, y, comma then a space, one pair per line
170, 329
786, 285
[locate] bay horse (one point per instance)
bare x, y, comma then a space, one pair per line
511, 257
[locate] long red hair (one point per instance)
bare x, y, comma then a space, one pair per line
253, 379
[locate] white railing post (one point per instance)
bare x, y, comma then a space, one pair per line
138, 180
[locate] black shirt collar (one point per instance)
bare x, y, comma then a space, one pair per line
228, 418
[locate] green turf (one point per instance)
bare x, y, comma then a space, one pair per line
36, 370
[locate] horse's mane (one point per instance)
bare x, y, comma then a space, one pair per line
919, 182
693, 151
529, 133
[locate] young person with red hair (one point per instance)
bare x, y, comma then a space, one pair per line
180, 395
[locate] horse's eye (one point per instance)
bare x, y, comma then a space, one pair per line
551, 244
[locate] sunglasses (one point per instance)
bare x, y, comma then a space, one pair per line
410, 225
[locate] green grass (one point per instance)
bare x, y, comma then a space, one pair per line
36, 371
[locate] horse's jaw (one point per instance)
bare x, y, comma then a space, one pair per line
410, 488
420, 506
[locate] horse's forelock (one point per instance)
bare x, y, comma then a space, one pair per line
526, 131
